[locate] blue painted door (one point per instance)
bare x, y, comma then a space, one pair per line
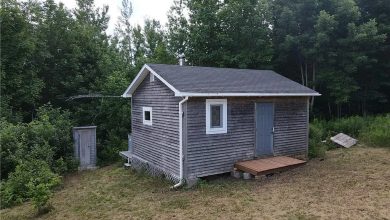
264, 129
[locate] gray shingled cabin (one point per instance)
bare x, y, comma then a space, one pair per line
190, 122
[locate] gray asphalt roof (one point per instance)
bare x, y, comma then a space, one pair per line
196, 79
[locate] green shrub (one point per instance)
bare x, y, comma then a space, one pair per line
55, 126
317, 134
317, 149
372, 131
32, 156
350, 125
31, 179
39, 190
12, 138
46, 138
109, 151
377, 133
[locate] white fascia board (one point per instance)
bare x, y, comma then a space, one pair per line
244, 94
135, 80
141, 76
163, 80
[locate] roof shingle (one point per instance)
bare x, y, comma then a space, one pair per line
194, 79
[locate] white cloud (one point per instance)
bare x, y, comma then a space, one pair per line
142, 9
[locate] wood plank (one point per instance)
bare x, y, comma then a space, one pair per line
286, 160
268, 165
344, 140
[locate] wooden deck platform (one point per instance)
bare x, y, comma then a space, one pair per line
268, 165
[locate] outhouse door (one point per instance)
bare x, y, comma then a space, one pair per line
85, 147
264, 129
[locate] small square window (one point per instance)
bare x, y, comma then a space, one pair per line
147, 115
216, 116
151, 77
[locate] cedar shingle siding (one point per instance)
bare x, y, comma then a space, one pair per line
209, 154
291, 126
158, 144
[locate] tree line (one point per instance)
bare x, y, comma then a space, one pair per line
338, 47
49, 53
60, 68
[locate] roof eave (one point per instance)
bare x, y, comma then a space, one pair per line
191, 94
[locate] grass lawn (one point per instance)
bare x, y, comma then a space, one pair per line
349, 183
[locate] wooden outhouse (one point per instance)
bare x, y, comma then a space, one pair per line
190, 122
85, 146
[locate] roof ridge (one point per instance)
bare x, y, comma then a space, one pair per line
176, 65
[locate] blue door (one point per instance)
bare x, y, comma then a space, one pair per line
264, 129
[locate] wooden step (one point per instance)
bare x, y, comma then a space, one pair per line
268, 165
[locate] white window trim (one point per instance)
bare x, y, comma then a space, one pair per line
147, 122
223, 129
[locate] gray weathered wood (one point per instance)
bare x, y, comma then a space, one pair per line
209, 154
344, 140
159, 143
85, 146
216, 153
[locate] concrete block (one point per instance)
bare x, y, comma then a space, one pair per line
260, 177
236, 174
247, 176
191, 182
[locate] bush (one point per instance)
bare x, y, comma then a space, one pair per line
109, 151
12, 138
31, 179
373, 131
32, 156
350, 125
46, 138
317, 133
54, 126
377, 134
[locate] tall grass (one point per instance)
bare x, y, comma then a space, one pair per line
372, 131
317, 134
377, 133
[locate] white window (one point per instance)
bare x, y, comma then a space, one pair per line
216, 116
147, 115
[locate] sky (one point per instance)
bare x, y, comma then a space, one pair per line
142, 9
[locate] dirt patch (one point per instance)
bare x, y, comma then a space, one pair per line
349, 184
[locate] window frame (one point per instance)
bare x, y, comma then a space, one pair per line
223, 128
144, 121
